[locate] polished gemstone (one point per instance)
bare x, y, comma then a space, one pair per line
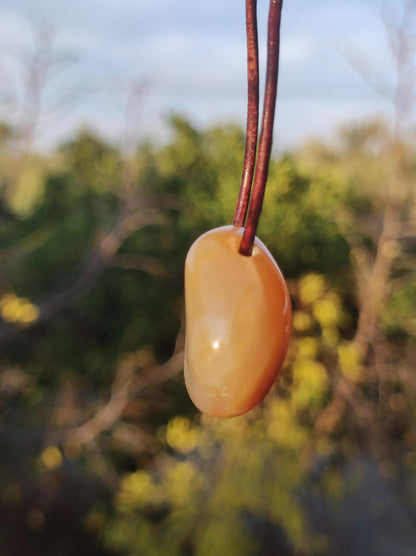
238, 317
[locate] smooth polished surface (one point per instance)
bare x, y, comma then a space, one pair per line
238, 317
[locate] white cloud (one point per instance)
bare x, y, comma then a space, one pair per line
193, 54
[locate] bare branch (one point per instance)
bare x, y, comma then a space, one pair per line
141, 263
127, 384
132, 217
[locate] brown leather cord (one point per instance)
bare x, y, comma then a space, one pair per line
252, 113
266, 136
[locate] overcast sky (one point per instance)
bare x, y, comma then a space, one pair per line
190, 58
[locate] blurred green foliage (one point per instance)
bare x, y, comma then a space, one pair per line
91, 307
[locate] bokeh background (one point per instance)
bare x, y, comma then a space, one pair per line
122, 140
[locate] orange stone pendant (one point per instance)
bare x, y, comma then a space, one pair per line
238, 317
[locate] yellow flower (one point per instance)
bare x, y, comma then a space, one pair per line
349, 358
310, 382
327, 310
302, 321
311, 287
181, 480
17, 309
181, 435
137, 489
307, 347
51, 458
